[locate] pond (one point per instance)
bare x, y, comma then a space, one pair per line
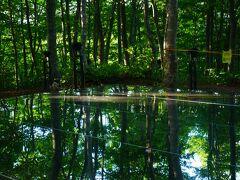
120, 132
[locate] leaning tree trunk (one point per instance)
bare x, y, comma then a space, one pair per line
170, 59
51, 27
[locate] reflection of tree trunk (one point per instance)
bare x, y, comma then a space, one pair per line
95, 135
32, 124
74, 150
87, 172
149, 127
232, 136
213, 154
174, 161
124, 166
56, 137
103, 146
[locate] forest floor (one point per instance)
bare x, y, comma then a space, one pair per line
230, 88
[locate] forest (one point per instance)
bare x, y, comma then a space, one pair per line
111, 89
73, 42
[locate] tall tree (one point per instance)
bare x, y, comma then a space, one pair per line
51, 29
170, 59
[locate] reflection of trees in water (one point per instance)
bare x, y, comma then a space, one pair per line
88, 134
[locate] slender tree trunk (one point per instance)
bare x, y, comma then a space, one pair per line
25, 77
14, 41
77, 21
83, 59
148, 31
51, 26
170, 59
124, 32
120, 58
159, 32
209, 32
111, 21
219, 38
64, 36
133, 30
31, 40
233, 33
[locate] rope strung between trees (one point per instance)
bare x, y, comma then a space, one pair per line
198, 51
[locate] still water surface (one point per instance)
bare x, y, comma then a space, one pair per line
120, 132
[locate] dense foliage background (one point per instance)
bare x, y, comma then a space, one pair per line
123, 40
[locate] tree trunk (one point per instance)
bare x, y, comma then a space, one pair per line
83, 59
170, 59
124, 32
64, 36
98, 32
111, 21
209, 32
120, 60
25, 77
148, 31
220, 39
133, 30
30, 37
51, 27
159, 32
233, 30
14, 41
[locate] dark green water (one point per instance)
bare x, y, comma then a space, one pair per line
120, 132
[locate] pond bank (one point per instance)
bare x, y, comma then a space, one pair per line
232, 88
